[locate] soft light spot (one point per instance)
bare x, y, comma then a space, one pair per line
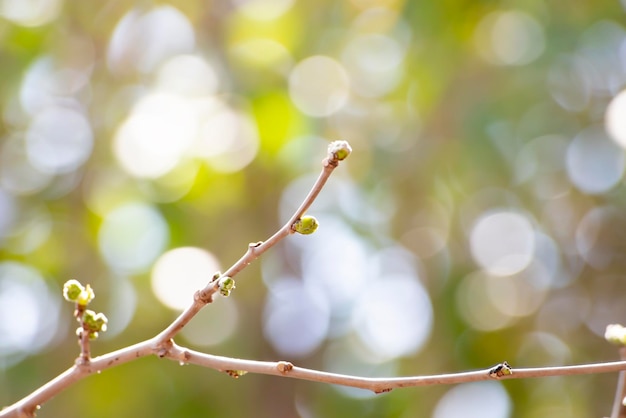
260, 52
8, 213
595, 164
569, 82
28, 312
374, 62
156, 135
187, 75
212, 326
17, 174
509, 38
394, 316
228, 139
598, 236
335, 263
179, 273
30, 12
475, 305
519, 295
132, 236
263, 9
296, 319
121, 307
616, 119
319, 86
31, 230
543, 349
542, 155
59, 140
474, 400
50, 83
502, 242
141, 41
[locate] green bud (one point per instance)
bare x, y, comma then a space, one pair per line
305, 225
72, 289
86, 296
216, 275
616, 334
226, 284
339, 149
95, 322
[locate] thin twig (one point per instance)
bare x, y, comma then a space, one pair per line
619, 410
204, 296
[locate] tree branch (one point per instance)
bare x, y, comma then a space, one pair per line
163, 346
162, 343
378, 384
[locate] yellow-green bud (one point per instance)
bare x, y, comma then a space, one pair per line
615, 333
86, 296
305, 225
339, 149
95, 322
226, 284
72, 290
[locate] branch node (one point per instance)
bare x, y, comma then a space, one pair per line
205, 296
235, 374
284, 367
163, 349
500, 370
383, 390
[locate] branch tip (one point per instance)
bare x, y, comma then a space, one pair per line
339, 150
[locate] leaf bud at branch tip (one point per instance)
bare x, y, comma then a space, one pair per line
339, 150
305, 225
616, 334
72, 290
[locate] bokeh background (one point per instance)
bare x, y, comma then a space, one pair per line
479, 219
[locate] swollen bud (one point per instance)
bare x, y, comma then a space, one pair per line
305, 225
86, 296
339, 150
226, 284
615, 333
72, 289
94, 322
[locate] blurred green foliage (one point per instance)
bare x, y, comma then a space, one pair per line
478, 132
